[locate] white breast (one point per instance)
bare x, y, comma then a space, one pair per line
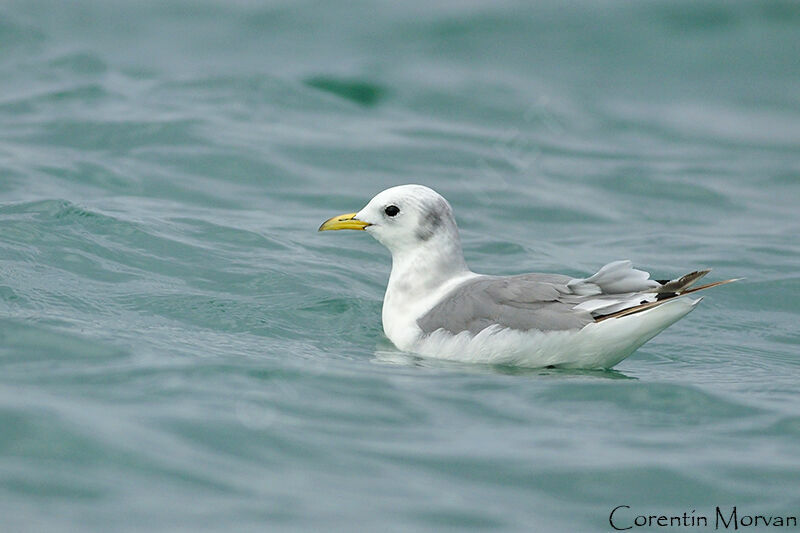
404, 304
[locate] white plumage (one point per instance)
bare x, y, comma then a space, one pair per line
436, 306
596, 345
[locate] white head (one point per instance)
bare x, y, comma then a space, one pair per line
417, 225
403, 218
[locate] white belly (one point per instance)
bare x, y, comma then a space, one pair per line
597, 345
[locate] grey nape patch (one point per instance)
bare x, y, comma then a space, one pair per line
429, 225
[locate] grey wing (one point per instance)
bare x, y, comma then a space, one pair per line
549, 302
530, 301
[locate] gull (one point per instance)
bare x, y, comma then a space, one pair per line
435, 306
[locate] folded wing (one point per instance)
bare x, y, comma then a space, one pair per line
549, 302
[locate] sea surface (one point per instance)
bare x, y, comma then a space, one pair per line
180, 350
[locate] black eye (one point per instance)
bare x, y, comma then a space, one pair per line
391, 210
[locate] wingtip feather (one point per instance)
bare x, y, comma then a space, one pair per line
649, 305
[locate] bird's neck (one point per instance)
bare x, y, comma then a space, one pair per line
424, 269
420, 276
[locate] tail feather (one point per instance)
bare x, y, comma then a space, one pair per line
671, 296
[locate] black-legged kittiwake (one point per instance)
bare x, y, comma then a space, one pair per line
436, 306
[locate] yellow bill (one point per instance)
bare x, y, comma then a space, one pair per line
346, 221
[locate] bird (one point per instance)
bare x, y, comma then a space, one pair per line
435, 306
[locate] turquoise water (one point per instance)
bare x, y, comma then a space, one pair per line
180, 350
